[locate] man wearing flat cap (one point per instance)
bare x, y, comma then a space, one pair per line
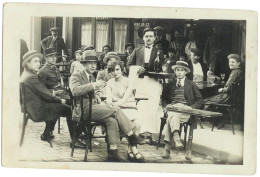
83, 84
56, 42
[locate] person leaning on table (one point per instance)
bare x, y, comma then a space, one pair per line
183, 93
41, 104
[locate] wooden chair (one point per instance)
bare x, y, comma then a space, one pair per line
89, 128
27, 116
236, 106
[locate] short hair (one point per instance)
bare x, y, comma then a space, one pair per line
235, 56
119, 63
147, 30
107, 47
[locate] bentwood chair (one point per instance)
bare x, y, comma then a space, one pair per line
89, 127
236, 107
27, 116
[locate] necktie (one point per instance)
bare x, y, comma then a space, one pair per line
179, 83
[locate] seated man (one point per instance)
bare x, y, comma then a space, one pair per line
51, 78
198, 70
106, 74
41, 104
82, 83
184, 93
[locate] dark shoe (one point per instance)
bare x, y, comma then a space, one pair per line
133, 140
114, 157
166, 154
78, 144
44, 137
140, 158
130, 156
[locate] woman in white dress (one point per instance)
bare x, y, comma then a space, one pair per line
119, 92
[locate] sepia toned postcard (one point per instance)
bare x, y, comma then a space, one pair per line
153, 89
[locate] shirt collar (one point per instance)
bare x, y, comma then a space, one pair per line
182, 81
150, 47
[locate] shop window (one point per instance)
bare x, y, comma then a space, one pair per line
120, 35
102, 34
86, 33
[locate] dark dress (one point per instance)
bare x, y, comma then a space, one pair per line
236, 76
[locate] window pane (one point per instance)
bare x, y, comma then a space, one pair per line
101, 35
86, 33
120, 31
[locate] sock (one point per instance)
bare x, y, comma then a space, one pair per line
130, 133
113, 147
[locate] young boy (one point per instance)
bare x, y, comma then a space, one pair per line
170, 61
183, 93
76, 65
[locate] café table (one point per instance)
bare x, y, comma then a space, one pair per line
194, 113
209, 89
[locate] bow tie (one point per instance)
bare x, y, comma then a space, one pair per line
148, 47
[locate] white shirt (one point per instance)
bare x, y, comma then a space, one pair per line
197, 70
147, 53
189, 45
182, 81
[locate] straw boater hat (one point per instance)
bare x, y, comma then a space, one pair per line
29, 55
89, 55
181, 64
111, 55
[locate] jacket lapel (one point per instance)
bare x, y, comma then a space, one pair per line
153, 56
84, 77
142, 54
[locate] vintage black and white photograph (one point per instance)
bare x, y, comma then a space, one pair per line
168, 88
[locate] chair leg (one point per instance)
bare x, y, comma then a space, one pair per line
163, 122
73, 139
59, 125
181, 129
48, 133
25, 120
86, 150
185, 135
106, 139
231, 114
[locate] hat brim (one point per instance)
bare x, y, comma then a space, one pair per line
29, 58
111, 56
178, 66
54, 53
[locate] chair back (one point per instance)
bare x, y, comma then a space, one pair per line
237, 95
22, 97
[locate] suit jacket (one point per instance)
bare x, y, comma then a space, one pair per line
37, 97
204, 70
80, 86
191, 93
137, 58
59, 44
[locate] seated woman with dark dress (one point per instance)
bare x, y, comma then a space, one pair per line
119, 92
236, 76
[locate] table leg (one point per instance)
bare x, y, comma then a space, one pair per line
188, 149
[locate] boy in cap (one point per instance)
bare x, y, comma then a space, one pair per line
183, 93
82, 83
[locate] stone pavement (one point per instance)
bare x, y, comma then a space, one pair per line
34, 149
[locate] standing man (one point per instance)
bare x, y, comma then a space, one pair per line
82, 83
51, 78
149, 87
56, 42
160, 36
178, 45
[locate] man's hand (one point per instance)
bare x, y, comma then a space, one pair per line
141, 70
99, 83
58, 92
98, 99
63, 101
220, 90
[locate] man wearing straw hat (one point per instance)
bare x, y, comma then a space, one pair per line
183, 93
81, 84
41, 104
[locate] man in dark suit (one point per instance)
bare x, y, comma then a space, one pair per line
82, 83
145, 58
41, 104
198, 69
55, 41
183, 93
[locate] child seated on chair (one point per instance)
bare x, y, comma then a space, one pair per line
183, 93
